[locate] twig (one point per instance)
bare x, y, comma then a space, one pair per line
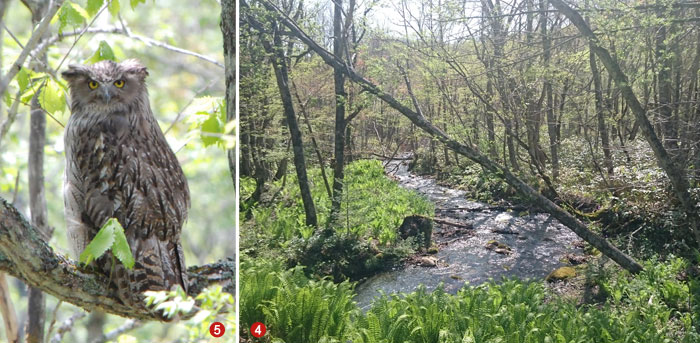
153, 42
196, 94
125, 31
53, 318
8, 311
505, 232
41, 66
129, 325
447, 222
33, 41
515, 208
392, 158
66, 326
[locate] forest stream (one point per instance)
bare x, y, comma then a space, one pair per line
532, 244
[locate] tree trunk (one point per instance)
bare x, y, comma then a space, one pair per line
279, 64
551, 120
664, 89
95, 323
600, 114
229, 32
340, 103
37, 197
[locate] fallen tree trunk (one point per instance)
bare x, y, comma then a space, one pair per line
523, 188
26, 256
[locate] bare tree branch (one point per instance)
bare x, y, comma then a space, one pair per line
9, 315
129, 325
125, 31
24, 255
66, 326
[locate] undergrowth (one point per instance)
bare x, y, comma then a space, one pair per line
365, 236
373, 205
653, 306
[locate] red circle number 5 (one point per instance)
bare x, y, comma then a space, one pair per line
217, 329
258, 329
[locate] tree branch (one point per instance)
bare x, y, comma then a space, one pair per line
24, 255
129, 325
66, 326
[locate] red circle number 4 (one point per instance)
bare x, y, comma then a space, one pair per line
258, 329
217, 329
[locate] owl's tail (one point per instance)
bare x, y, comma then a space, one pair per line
159, 266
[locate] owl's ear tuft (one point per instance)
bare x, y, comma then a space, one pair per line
73, 72
134, 67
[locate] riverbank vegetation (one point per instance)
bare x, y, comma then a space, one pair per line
585, 111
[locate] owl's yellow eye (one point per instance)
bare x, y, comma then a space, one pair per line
119, 83
92, 84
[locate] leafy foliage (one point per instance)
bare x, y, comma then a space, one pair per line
110, 237
213, 305
294, 308
511, 311
374, 208
103, 52
71, 14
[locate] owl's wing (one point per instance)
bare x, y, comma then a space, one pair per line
154, 210
74, 204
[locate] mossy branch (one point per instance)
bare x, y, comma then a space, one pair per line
26, 256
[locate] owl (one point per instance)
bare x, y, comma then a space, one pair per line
118, 164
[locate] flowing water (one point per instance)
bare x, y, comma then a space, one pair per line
537, 243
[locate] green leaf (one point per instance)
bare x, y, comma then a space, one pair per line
121, 248
205, 104
99, 245
114, 7
71, 14
103, 52
211, 128
135, 3
30, 91
80, 10
22, 79
52, 97
93, 6
8, 99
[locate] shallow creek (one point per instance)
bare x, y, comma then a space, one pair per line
537, 243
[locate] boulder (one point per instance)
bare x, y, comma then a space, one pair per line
562, 273
419, 227
498, 247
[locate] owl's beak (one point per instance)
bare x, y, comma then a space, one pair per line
105, 94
